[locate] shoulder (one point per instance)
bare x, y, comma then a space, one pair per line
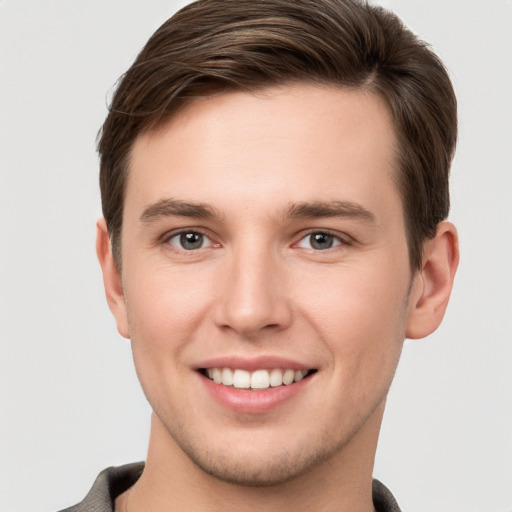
383, 500
109, 484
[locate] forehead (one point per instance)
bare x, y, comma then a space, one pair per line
286, 145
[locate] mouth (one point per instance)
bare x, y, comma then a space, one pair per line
256, 380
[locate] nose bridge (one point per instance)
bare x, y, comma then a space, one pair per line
253, 296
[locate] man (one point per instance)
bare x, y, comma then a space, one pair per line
274, 180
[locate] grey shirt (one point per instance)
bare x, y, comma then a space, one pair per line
112, 482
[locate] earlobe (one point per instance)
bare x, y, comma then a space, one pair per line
111, 278
433, 283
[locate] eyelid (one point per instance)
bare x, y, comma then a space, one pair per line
165, 239
344, 239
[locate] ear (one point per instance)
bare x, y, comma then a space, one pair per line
111, 278
432, 285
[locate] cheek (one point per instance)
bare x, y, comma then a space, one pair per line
352, 300
165, 309
361, 318
165, 306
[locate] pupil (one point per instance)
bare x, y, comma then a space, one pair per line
191, 240
321, 241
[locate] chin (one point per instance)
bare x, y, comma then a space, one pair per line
258, 461
263, 471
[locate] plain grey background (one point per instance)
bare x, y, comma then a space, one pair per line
70, 403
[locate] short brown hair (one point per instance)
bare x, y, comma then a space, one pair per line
212, 46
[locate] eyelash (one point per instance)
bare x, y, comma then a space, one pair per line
339, 240
189, 231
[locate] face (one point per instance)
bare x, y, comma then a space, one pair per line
265, 278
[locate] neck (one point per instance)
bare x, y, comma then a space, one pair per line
171, 481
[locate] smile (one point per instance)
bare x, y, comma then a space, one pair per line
258, 379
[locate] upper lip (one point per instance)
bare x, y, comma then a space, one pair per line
252, 364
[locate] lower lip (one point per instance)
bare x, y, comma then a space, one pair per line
253, 401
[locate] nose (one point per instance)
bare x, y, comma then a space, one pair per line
253, 294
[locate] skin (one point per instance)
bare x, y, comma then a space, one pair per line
258, 287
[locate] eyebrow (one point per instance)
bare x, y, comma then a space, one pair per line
176, 208
302, 210
317, 209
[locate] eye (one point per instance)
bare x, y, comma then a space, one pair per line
319, 241
189, 240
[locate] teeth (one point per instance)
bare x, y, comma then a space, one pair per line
217, 376
288, 377
227, 376
299, 375
259, 379
276, 378
241, 379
